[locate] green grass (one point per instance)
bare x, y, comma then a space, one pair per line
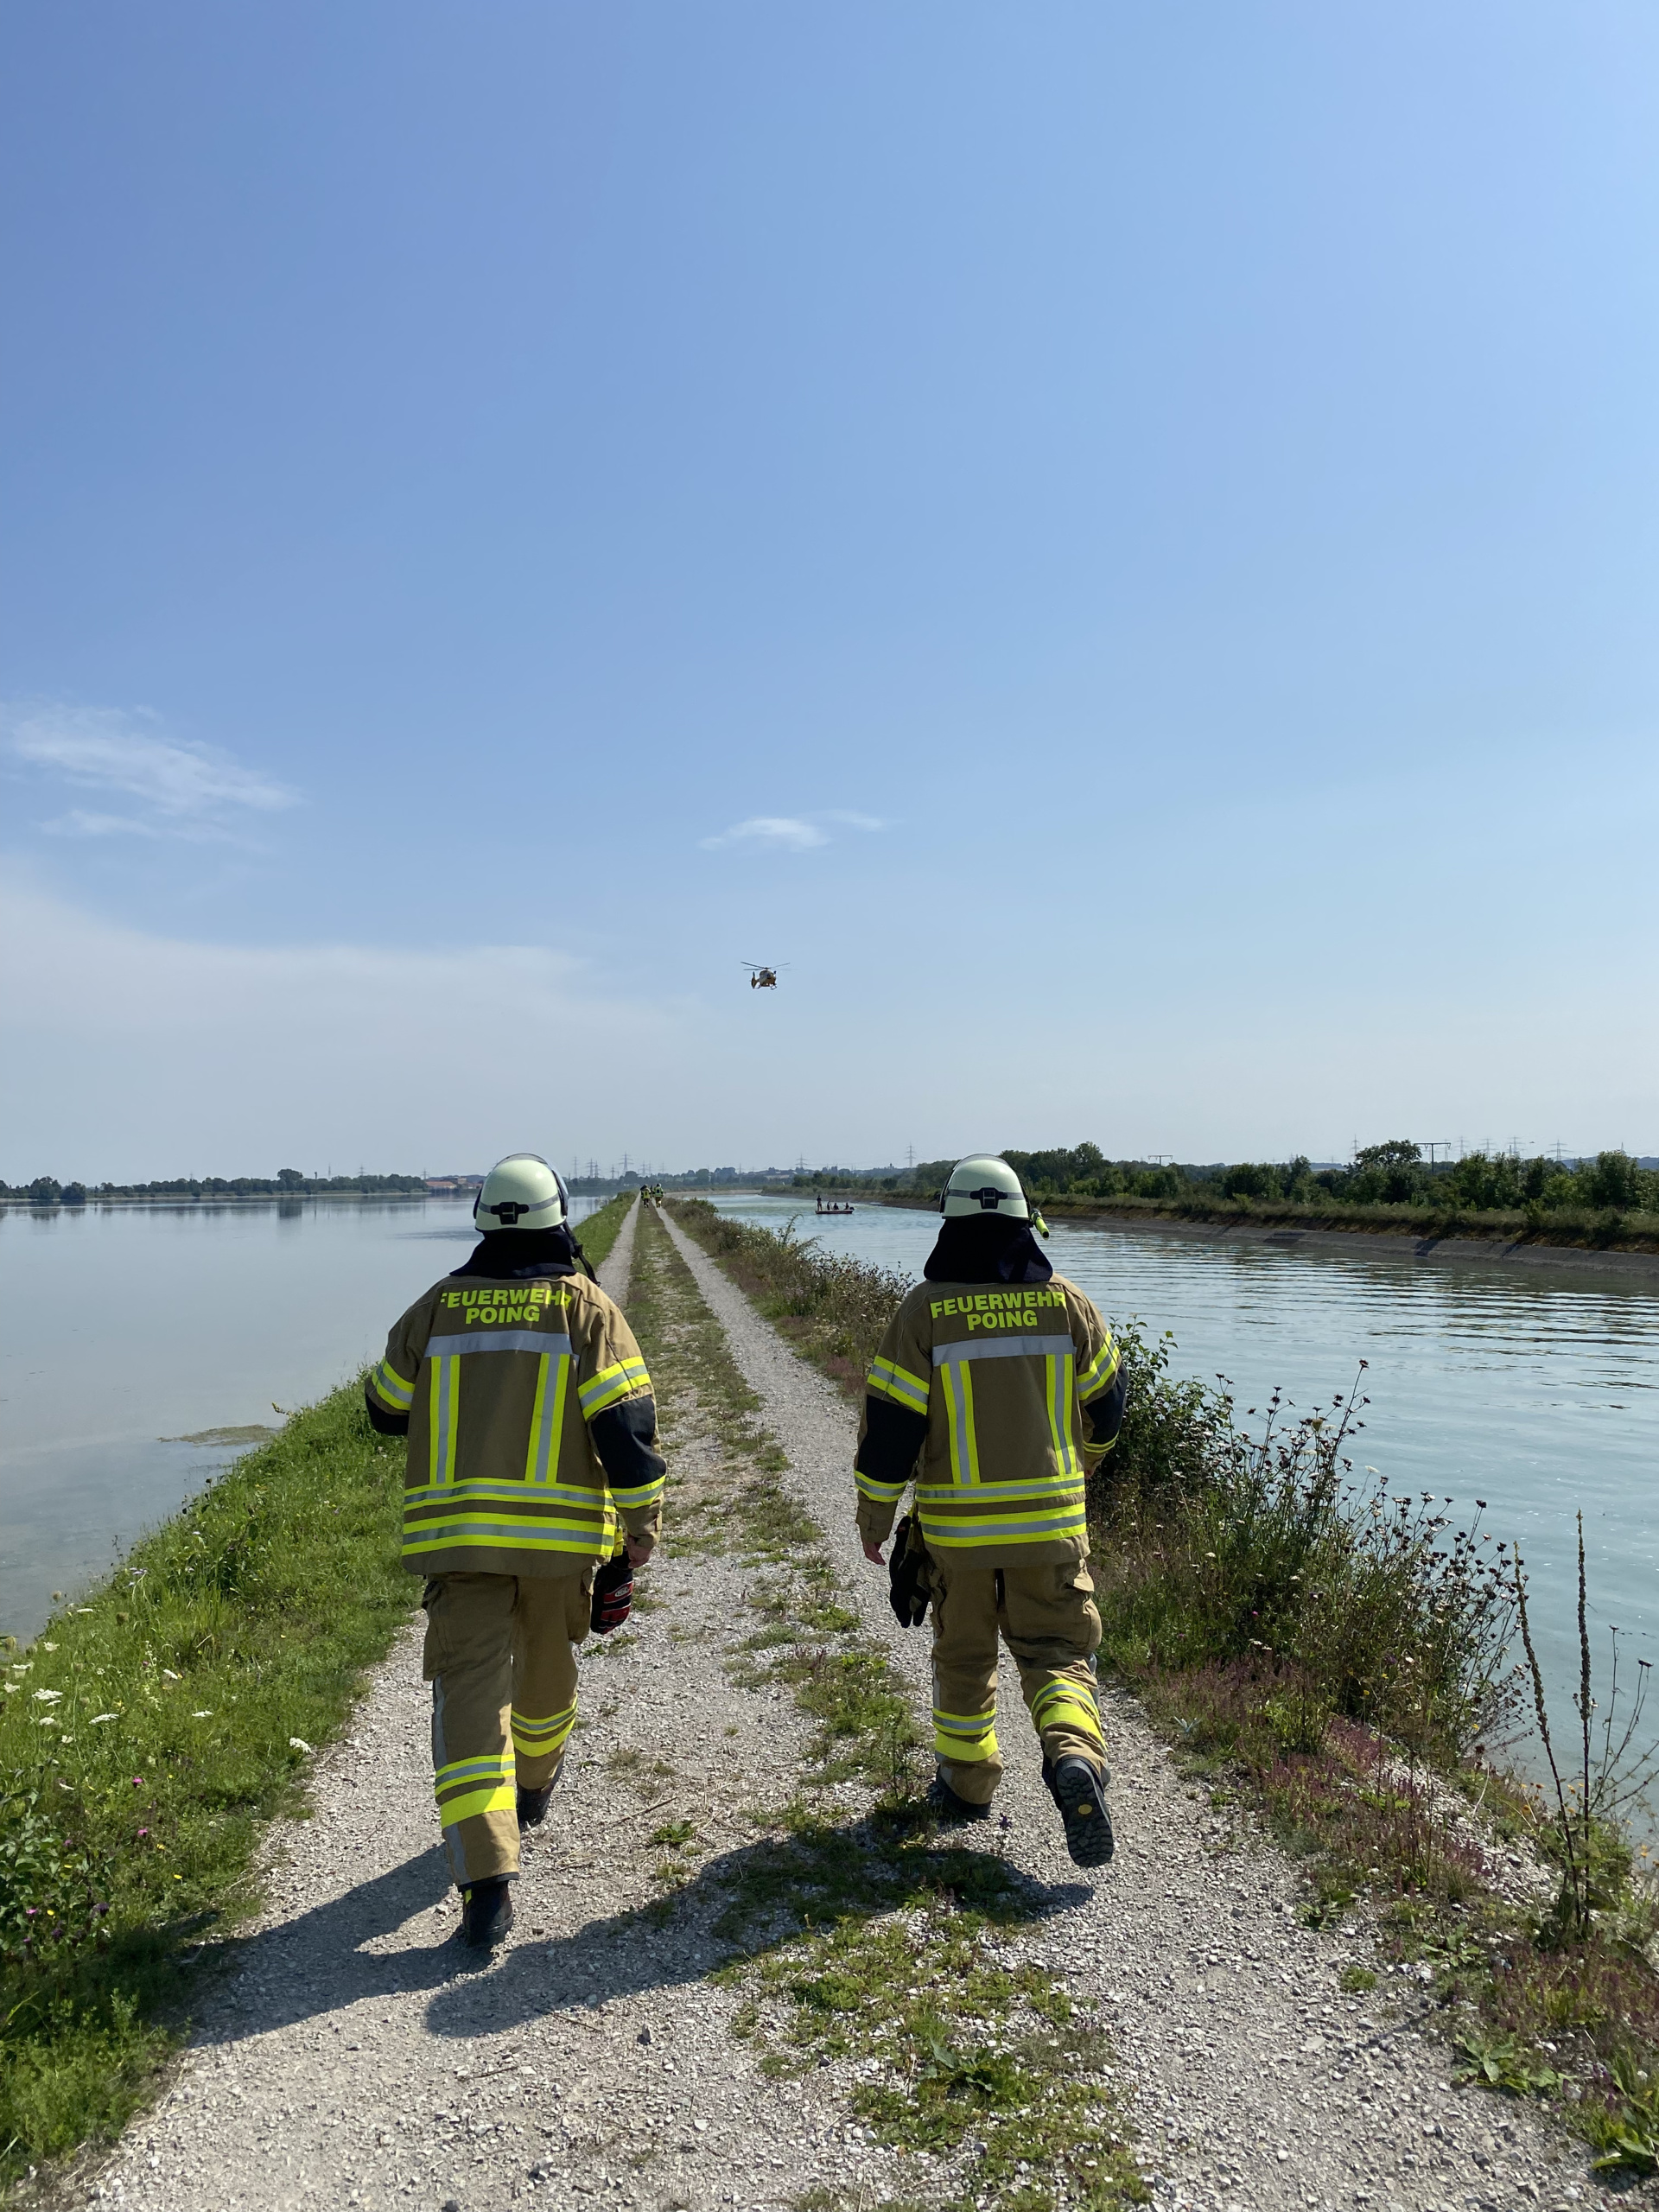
149, 1734
151, 1731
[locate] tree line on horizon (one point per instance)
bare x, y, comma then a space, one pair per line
1393, 1173
287, 1182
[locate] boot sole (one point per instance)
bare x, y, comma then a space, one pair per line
1082, 1802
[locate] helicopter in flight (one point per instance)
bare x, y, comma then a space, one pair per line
761, 978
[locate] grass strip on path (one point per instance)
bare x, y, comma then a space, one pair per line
149, 1734
858, 1938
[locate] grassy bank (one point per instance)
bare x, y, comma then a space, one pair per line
148, 1734
1339, 1658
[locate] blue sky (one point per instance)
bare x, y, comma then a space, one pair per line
1119, 543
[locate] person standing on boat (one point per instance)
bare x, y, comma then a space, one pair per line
532, 1430
997, 1387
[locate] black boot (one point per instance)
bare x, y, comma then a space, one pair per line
486, 1913
532, 1805
944, 1804
1080, 1793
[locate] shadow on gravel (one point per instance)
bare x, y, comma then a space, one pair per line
316, 1964
688, 1935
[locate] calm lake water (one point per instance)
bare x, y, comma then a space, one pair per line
1539, 1393
133, 1331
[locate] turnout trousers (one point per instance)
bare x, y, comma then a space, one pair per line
1045, 1615
500, 1656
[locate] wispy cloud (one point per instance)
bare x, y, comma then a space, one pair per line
78, 823
181, 790
785, 829
790, 832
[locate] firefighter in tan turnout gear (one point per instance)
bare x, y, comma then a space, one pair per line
530, 1425
996, 1389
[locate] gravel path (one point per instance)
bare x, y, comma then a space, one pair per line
1264, 2085
354, 2056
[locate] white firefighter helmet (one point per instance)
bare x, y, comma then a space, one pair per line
522, 1192
982, 1184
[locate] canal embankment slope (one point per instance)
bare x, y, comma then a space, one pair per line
1295, 1230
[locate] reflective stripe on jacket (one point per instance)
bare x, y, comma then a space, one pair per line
991, 1400
502, 1383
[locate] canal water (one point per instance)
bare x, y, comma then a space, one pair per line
1538, 1393
145, 1346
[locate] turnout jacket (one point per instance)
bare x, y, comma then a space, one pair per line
530, 1423
998, 1400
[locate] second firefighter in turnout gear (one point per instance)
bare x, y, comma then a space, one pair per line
532, 1431
996, 1389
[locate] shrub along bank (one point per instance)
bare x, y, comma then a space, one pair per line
148, 1734
1339, 1656
1611, 1202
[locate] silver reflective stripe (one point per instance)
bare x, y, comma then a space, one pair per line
499, 1340
963, 1455
511, 1535
1001, 1348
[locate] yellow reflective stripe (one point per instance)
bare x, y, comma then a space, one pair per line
888, 1379
883, 1493
622, 1379
965, 1747
969, 1536
466, 1788
1065, 1705
1039, 1486
536, 1739
640, 1495
1056, 1371
1100, 1372
390, 1385
546, 1419
500, 1798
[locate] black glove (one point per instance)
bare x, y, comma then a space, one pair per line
613, 1594
907, 1590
